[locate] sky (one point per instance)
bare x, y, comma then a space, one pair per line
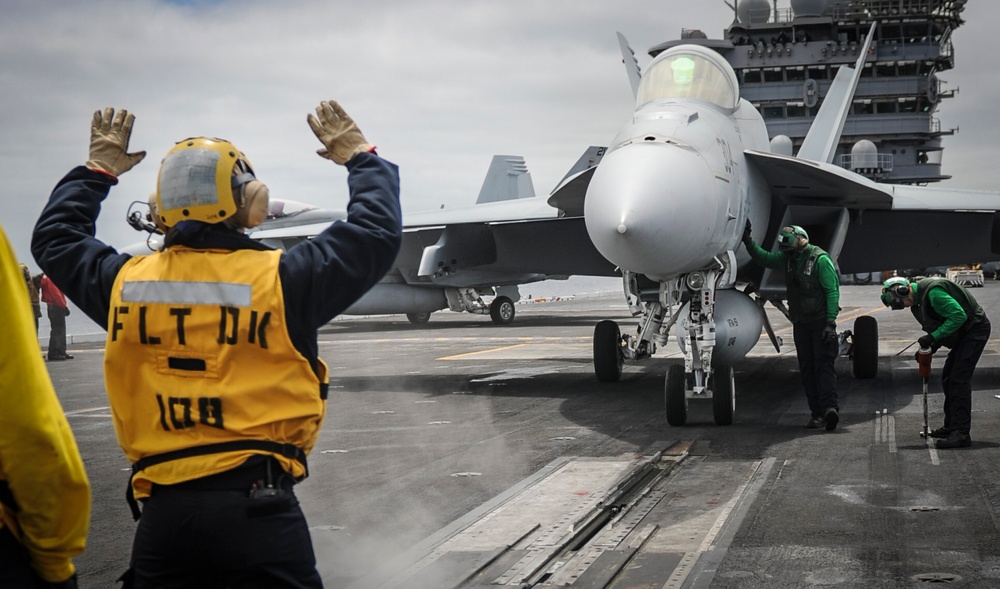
440, 86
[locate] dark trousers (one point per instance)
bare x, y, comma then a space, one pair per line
956, 376
194, 537
816, 357
15, 572
57, 337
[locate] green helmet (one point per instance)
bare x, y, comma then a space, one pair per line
894, 290
792, 237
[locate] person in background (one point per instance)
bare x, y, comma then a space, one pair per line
212, 365
57, 311
44, 491
813, 304
36, 306
952, 318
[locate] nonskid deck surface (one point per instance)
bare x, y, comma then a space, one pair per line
478, 455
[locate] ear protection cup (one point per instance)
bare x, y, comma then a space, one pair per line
894, 291
154, 215
253, 202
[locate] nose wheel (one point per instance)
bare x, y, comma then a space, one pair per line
677, 394
723, 395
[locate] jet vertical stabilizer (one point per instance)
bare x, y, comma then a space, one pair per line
507, 179
631, 65
820, 143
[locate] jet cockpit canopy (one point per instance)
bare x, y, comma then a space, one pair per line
690, 72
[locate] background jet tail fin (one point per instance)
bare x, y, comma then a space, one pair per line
820, 143
631, 65
507, 179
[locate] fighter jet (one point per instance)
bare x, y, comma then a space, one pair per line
671, 197
458, 258
664, 207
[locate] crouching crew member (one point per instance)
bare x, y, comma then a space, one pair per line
212, 367
952, 318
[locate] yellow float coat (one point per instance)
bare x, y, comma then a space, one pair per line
40, 464
198, 353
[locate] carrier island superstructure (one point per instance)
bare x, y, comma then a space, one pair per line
786, 58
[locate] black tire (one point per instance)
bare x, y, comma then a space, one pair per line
502, 311
723, 395
418, 318
675, 398
608, 357
865, 340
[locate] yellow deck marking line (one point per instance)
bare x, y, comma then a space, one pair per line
845, 317
481, 352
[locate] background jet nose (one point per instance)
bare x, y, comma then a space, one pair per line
654, 208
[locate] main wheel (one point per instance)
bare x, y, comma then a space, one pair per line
608, 358
418, 318
502, 310
675, 395
723, 395
865, 347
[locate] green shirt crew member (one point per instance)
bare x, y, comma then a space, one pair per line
813, 290
952, 318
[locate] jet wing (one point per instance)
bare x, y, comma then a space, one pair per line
897, 239
892, 226
798, 181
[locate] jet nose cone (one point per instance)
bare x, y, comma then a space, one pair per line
654, 208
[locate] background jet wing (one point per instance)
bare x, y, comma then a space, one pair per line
501, 252
305, 231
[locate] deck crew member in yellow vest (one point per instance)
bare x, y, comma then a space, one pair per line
44, 492
212, 367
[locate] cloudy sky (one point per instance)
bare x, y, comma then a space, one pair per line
439, 85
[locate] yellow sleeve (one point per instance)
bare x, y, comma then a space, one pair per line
39, 458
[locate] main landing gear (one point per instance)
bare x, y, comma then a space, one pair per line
861, 346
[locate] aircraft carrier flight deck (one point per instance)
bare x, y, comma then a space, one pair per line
465, 454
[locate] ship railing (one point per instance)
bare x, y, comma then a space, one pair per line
854, 9
868, 164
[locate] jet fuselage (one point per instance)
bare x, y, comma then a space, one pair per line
673, 192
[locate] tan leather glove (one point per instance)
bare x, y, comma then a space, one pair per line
109, 135
339, 134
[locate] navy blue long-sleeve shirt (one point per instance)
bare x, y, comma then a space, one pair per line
320, 278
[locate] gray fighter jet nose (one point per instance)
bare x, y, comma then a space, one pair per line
655, 208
